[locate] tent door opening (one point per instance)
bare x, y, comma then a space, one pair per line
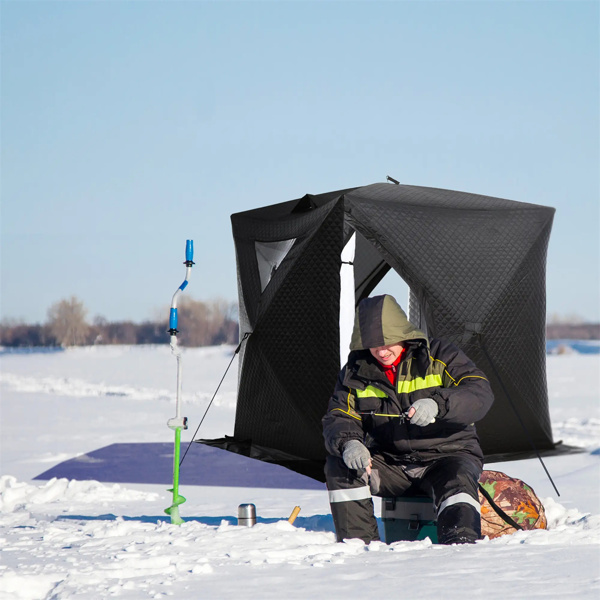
357, 282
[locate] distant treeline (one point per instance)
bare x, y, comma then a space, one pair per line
201, 324
579, 331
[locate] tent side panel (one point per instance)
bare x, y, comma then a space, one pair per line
477, 266
292, 357
511, 348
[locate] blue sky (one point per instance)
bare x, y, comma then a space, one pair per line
129, 127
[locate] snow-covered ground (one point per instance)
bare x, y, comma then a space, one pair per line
84, 539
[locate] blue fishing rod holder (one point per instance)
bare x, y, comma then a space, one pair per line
189, 263
189, 253
173, 321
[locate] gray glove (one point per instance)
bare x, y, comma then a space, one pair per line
426, 410
356, 455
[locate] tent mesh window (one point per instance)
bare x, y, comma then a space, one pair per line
269, 255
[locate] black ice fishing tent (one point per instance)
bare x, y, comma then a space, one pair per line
475, 266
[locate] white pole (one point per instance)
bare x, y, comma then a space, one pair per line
347, 298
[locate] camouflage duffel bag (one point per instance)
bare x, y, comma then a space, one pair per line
507, 505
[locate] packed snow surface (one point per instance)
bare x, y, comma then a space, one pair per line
64, 538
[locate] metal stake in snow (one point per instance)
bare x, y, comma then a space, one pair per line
178, 423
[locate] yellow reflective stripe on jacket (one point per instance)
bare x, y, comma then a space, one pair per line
350, 412
370, 391
420, 383
471, 377
347, 412
454, 380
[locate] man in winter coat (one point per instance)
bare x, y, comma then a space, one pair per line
401, 420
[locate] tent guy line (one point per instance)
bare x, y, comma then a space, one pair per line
512, 405
235, 353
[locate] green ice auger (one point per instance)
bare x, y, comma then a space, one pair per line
178, 422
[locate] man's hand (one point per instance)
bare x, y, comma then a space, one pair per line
356, 455
423, 412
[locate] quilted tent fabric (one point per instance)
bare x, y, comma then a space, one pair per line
475, 266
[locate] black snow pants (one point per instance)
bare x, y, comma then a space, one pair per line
451, 481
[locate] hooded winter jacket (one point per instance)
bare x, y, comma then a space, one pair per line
365, 406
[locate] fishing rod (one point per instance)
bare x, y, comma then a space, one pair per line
178, 422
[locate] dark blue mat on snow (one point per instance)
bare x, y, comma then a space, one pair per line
153, 463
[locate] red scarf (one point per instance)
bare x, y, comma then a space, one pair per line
390, 370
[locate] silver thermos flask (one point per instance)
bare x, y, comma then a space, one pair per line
247, 515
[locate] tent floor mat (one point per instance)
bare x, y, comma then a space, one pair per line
152, 463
